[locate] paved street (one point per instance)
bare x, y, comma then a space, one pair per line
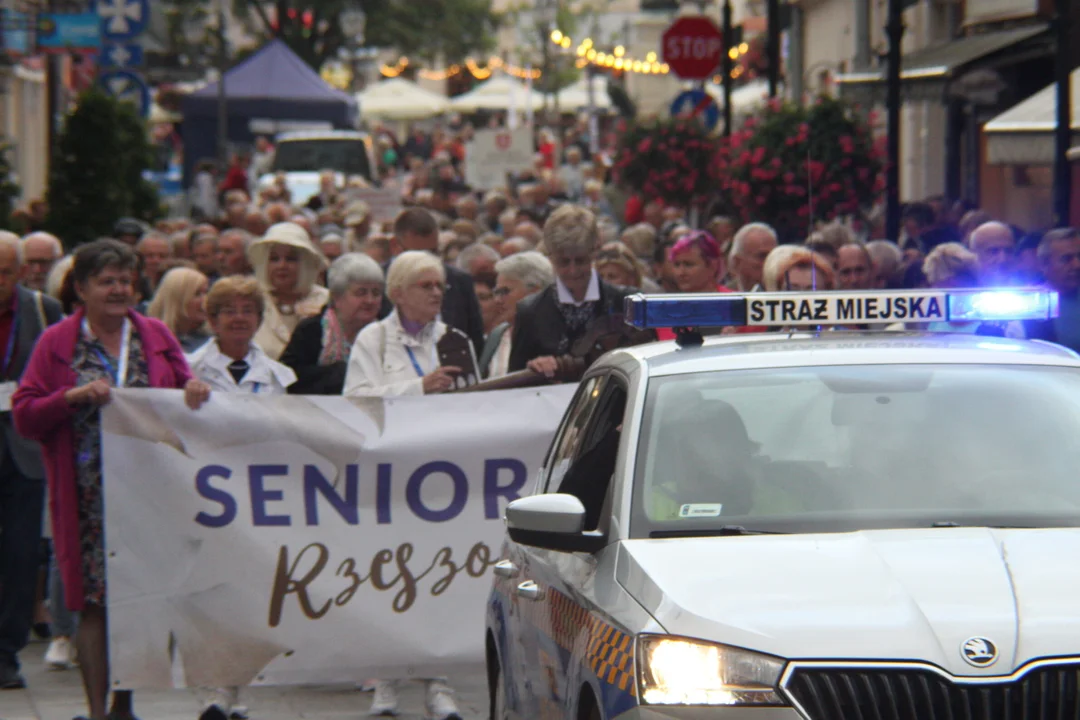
59, 696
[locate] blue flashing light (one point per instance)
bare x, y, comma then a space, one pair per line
685, 311
1002, 305
840, 308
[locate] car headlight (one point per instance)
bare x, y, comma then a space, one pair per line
679, 671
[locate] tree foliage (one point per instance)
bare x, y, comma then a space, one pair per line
9, 191
96, 177
426, 30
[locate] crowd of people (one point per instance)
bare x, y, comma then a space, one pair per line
325, 298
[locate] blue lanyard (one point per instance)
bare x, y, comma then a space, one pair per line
119, 374
256, 387
12, 335
416, 365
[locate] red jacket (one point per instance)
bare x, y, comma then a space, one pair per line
41, 413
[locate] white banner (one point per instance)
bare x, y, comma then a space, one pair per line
492, 154
309, 539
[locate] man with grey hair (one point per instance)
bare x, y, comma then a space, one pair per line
24, 315
888, 260
477, 259
204, 252
995, 245
232, 247
40, 252
1059, 259
467, 208
518, 276
752, 244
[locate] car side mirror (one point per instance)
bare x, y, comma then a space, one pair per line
552, 521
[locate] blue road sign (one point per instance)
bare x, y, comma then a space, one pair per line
122, 19
699, 104
68, 31
120, 56
126, 86
15, 32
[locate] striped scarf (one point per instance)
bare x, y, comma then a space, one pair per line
335, 346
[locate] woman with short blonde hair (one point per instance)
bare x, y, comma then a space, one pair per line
797, 268
549, 323
398, 354
231, 288
180, 303
951, 265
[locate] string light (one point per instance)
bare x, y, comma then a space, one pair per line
617, 59
392, 71
475, 69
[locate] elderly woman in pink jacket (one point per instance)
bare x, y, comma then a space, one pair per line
71, 373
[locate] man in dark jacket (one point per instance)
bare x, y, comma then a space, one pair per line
24, 314
549, 323
1059, 258
416, 229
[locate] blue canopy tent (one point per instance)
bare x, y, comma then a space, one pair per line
272, 88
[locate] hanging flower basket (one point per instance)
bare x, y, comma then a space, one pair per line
670, 160
793, 166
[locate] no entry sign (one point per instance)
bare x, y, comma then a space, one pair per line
693, 46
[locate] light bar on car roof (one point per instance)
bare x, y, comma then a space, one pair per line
812, 309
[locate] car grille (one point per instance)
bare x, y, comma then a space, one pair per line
1048, 693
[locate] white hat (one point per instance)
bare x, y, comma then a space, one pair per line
290, 234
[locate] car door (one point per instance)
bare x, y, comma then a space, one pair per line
559, 584
522, 653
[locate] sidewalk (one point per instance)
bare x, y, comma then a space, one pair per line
59, 696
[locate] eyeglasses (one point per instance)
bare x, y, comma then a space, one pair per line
565, 262
232, 311
500, 292
431, 286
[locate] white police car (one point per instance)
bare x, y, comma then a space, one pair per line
819, 525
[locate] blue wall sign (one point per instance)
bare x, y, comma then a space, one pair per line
68, 31
123, 19
698, 104
126, 86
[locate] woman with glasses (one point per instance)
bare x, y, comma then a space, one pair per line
231, 361
398, 354
319, 348
548, 323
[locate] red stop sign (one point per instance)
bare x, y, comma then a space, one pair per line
693, 47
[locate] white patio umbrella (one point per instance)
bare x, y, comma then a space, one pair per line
576, 97
400, 99
746, 99
498, 93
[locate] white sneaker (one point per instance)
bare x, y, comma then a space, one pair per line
60, 655
366, 686
385, 701
440, 701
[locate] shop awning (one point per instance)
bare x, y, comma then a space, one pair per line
925, 74
1024, 134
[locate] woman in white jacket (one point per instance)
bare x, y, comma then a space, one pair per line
398, 354
231, 361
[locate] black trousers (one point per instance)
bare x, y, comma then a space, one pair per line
22, 502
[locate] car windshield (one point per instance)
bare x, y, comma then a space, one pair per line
347, 156
833, 449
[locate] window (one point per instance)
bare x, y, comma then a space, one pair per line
570, 434
841, 448
593, 466
340, 155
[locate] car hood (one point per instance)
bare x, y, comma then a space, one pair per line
882, 595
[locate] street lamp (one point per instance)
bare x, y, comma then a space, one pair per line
353, 22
